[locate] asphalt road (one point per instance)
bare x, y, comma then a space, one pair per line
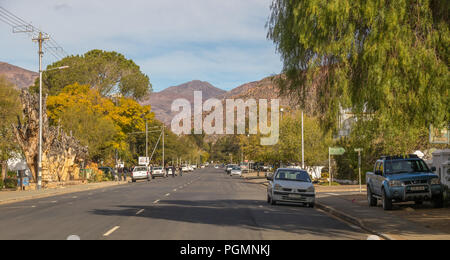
205, 205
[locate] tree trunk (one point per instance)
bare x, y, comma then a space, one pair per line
59, 151
4, 171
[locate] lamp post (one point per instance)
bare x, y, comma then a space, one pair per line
41, 54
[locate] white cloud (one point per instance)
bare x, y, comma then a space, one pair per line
167, 36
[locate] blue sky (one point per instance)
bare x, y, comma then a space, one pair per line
173, 41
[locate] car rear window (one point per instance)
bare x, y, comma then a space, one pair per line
140, 169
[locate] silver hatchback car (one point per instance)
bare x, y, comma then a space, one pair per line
291, 186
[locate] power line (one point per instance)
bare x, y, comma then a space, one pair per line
21, 26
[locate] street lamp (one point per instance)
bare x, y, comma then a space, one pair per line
39, 179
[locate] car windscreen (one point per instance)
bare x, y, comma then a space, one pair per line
236, 169
405, 166
157, 168
300, 176
140, 169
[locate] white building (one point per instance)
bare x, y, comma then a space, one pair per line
441, 160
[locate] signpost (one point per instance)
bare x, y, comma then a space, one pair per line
144, 161
333, 151
359, 150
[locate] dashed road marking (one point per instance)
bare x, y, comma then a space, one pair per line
167, 195
140, 211
373, 237
111, 231
73, 237
156, 201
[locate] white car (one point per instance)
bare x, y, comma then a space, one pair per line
140, 173
291, 186
158, 172
184, 168
236, 171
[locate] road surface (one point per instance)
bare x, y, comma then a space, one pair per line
204, 205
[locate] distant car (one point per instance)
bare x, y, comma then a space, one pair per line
236, 171
184, 168
171, 171
140, 173
291, 186
229, 167
216, 167
158, 172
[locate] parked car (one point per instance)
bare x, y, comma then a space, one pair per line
403, 178
291, 186
140, 173
236, 171
171, 171
229, 167
184, 168
158, 172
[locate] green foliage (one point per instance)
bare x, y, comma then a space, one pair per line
386, 59
107, 72
9, 110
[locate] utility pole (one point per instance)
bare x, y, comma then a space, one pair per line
146, 142
163, 135
40, 39
303, 145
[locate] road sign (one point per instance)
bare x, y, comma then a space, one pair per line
144, 161
337, 151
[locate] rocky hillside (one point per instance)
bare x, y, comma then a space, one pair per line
20, 77
161, 102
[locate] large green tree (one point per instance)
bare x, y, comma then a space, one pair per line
386, 60
107, 72
9, 110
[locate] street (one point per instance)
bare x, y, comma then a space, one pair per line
204, 205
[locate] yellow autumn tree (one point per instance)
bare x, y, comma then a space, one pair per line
99, 122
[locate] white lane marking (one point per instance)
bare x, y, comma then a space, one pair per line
140, 211
156, 201
111, 231
55, 201
74, 197
167, 195
73, 237
373, 237
333, 194
174, 189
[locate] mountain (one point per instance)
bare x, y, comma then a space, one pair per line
22, 78
161, 102
263, 89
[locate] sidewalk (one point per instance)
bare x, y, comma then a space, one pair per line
393, 225
405, 222
7, 197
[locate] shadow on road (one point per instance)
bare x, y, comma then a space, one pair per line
248, 214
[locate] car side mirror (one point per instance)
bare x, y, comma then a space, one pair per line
433, 169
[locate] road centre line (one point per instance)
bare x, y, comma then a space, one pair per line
111, 231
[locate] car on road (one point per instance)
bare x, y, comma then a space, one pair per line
158, 172
401, 179
184, 168
236, 171
291, 186
229, 167
140, 173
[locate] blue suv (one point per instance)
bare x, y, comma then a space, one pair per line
401, 179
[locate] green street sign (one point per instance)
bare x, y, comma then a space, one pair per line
337, 151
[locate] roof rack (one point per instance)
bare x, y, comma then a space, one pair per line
400, 157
